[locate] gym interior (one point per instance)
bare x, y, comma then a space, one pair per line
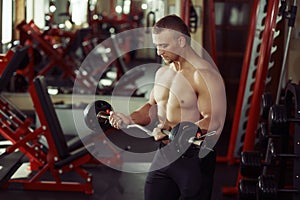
64, 61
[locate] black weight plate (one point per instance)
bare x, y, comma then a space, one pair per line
90, 115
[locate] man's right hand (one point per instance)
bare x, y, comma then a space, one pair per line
119, 120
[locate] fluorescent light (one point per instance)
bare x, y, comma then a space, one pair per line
144, 6
118, 9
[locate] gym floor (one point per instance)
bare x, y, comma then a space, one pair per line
112, 184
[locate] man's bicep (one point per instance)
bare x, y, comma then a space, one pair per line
217, 111
204, 107
151, 100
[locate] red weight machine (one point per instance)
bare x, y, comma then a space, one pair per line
50, 42
15, 125
45, 146
61, 56
4, 60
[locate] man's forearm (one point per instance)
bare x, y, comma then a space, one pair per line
144, 115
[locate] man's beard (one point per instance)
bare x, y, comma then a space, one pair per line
168, 61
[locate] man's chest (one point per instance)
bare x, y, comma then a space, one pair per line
175, 89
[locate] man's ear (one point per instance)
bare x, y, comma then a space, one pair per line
182, 41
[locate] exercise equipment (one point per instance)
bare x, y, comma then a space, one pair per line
279, 121
251, 165
257, 183
61, 58
184, 134
93, 109
16, 126
267, 188
56, 54
45, 147
276, 124
266, 103
98, 112
60, 160
4, 60
263, 134
106, 67
262, 130
283, 144
96, 116
291, 16
283, 126
247, 189
10, 116
8, 165
16, 82
292, 102
105, 25
253, 78
262, 49
59, 156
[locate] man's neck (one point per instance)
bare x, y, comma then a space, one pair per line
183, 61
177, 66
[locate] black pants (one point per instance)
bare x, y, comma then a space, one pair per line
188, 177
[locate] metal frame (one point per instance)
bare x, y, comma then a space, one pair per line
263, 65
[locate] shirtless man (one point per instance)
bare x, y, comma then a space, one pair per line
189, 89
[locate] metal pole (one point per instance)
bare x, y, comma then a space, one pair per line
291, 23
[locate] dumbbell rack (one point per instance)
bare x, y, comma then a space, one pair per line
253, 73
292, 98
252, 88
276, 177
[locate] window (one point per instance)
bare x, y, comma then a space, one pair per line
6, 21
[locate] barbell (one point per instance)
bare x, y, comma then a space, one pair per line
96, 115
90, 115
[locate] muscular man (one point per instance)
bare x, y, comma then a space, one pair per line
187, 89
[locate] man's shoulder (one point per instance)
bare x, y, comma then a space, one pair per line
163, 68
206, 73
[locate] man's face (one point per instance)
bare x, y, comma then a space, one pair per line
167, 45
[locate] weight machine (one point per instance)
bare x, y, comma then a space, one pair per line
56, 53
45, 147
